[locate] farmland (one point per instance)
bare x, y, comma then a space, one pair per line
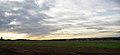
106, 47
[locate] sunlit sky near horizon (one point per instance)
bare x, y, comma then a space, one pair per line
59, 19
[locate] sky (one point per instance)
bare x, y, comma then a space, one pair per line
59, 19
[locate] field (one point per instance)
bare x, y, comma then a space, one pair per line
106, 47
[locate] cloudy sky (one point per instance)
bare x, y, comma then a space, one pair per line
59, 19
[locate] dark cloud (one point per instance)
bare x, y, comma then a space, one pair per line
97, 28
107, 31
28, 14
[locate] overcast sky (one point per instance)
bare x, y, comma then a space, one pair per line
66, 18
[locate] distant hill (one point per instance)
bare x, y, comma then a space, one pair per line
73, 39
104, 38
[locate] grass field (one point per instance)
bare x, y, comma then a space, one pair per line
103, 44
107, 47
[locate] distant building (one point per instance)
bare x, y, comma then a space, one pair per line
1, 38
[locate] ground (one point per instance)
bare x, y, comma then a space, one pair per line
60, 47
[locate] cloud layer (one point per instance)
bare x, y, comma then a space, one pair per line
60, 17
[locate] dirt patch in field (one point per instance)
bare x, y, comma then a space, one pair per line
39, 50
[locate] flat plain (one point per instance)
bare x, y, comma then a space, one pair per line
93, 47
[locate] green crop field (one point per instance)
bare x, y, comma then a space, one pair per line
104, 44
106, 47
